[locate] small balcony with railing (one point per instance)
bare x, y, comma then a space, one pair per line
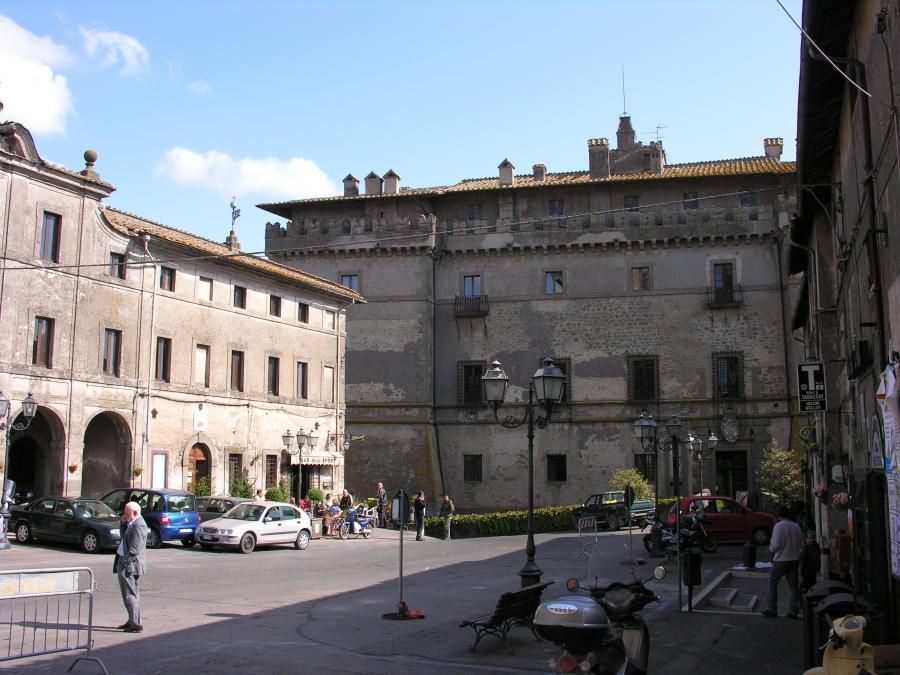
724, 297
471, 305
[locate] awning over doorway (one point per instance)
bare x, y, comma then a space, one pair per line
319, 458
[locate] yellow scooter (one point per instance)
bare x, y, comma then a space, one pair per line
845, 651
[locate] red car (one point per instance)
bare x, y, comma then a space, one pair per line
729, 520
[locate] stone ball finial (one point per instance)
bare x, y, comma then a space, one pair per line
90, 156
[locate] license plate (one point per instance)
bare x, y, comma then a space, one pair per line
186, 529
205, 536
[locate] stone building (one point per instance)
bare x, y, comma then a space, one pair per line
655, 285
157, 357
849, 308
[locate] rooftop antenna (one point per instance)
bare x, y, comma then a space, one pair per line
656, 133
624, 107
235, 212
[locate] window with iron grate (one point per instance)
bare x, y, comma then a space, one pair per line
728, 374
556, 468
469, 390
643, 382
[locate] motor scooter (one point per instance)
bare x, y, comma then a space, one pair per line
599, 628
356, 525
692, 534
845, 651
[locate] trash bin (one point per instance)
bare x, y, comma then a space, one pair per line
316, 524
691, 567
749, 555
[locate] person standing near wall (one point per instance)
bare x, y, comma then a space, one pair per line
419, 508
381, 496
447, 511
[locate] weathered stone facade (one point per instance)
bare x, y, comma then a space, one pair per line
632, 265
126, 331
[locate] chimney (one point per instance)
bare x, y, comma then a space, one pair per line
657, 157
373, 183
540, 171
351, 186
598, 157
507, 173
391, 183
625, 134
773, 147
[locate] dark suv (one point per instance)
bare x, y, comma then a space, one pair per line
169, 514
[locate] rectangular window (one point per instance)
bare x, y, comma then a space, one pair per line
117, 265
50, 235
472, 468
302, 379
167, 279
271, 471
112, 351
553, 283
274, 305
748, 199
328, 384
723, 283
201, 366
642, 378
556, 468
632, 203
351, 281
235, 468
473, 212
237, 371
302, 312
42, 345
472, 286
690, 201
728, 373
556, 207
205, 288
645, 463
469, 388
328, 319
272, 369
640, 278
240, 297
163, 359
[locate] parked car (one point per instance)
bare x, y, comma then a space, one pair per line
169, 514
76, 520
729, 520
215, 507
609, 509
253, 524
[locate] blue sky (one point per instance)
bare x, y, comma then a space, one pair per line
188, 103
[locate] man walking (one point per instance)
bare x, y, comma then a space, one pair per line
381, 496
786, 544
447, 511
129, 565
419, 509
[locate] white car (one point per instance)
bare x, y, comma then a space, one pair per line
252, 524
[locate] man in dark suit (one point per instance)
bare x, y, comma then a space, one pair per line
129, 565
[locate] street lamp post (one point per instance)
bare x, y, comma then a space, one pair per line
645, 428
547, 386
303, 439
701, 455
29, 410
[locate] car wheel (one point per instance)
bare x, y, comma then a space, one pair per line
248, 543
710, 544
344, 532
90, 543
188, 542
613, 521
760, 536
302, 540
206, 547
153, 540
23, 533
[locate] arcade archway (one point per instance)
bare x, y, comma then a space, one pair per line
107, 455
199, 467
36, 454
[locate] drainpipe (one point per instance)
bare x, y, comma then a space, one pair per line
337, 393
434, 412
145, 238
68, 444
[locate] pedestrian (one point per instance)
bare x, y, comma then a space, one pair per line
346, 502
810, 562
129, 565
259, 496
447, 511
293, 501
419, 508
381, 496
786, 544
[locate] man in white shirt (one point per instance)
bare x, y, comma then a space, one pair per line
786, 544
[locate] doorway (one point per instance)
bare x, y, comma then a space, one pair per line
199, 469
36, 454
731, 472
106, 456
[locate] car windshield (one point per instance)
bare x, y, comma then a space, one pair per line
245, 512
179, 503
94, 509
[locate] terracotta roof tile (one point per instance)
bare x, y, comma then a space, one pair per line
131, 225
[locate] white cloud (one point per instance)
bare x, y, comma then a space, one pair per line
31, 91
115, 49
295, 177
199, 87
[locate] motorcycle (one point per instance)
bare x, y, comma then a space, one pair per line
845, 651
599, 630
692, 534
356, 525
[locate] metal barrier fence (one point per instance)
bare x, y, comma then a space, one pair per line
587, 536
46, 611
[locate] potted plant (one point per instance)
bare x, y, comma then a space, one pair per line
73, 468
821, 492
138, 470
841, 501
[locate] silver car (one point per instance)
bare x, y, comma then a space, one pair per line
253, 524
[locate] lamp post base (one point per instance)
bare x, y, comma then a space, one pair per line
530, 574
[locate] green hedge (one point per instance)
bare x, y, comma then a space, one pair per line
546, 519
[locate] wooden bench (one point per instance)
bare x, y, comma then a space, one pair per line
515, 608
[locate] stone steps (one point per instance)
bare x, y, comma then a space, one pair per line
731, 599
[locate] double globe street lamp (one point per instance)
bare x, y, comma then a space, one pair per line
303, 439
701, 455
547, 386
29, 410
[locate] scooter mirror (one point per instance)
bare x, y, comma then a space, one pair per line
572, 585
659, 572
